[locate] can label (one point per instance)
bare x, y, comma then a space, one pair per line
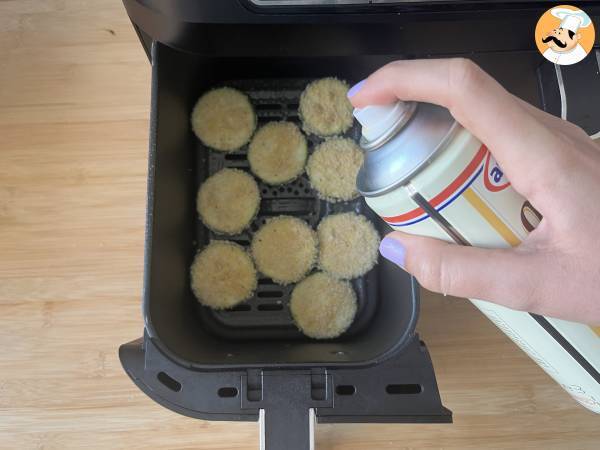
464, 196
446, 196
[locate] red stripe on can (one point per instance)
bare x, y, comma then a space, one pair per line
448, 191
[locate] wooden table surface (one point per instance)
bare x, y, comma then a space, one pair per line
74, 96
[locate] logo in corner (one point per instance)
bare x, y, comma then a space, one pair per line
494, 178
564, 35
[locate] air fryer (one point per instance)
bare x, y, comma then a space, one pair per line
251, 363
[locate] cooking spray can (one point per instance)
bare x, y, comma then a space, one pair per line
425, 174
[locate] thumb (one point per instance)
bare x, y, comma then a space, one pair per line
498, 275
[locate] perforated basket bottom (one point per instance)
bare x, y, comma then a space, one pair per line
266, 315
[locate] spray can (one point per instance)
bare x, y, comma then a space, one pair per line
425, 174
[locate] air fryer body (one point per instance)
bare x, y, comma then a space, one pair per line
246, 366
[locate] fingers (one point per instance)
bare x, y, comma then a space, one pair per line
499, 275
519, 140
553, 122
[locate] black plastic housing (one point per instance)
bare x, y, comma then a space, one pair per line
380, 372
188, 365
174, 231
411, 28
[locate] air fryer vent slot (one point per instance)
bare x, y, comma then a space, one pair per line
169, 382
270, 307
266, 314
240, 308
345, 389
268, 107
235, 156
270, 294
227, 392
403, 389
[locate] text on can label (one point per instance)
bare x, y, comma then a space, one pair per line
494, 179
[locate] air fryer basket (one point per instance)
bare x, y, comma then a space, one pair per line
266, 315
251, 363
259, 333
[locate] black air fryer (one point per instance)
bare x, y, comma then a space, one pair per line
251, 363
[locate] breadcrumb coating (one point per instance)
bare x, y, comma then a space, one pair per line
277, 153
324, 108
323, 307
285, 249
223, 275
332, 169
223, 119
348, 245
228, 201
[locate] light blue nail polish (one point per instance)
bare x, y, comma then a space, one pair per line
393, 250
354, 89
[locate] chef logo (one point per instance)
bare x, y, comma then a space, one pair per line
564, 35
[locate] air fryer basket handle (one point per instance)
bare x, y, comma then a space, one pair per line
286, 403
287, 408
290, 429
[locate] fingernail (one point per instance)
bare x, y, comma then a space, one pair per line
354, 89
393, 250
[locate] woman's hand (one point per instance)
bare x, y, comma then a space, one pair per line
551, 162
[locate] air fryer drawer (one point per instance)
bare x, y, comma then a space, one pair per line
255, 334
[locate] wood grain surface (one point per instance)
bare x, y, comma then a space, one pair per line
74, 96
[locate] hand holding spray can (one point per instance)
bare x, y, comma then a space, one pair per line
425, 174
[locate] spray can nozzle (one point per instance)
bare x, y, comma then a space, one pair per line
381, 122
